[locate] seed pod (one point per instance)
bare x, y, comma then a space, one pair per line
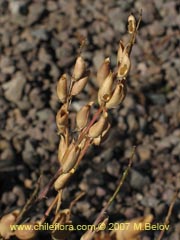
5, 222
103, 71
70, 158
26, 233
131, 24
10, 218
5, 231
105, 90
120, 53
63, 145
62, 180
79, 68
103, 136
124, 67
62, 118
79, 85
117, 96
82, 116
97, 128
62, 88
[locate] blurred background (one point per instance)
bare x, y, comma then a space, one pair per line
39, 41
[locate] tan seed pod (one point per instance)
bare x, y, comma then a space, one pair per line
97, 141
62, 118
70, 158
63, 145
117, 96
131, 232
79, 68
124, 67
62, 88
82, 116
103, 136
131, 24
105, 90
10, 218
97, 128
5, 231
120, 53
62, 180
28, 233
82, 143
79, 85
103, 71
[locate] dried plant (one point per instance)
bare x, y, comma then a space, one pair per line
73, 145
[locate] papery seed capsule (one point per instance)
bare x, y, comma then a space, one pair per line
82, 116
120, 53
103, 71
62, 180
97, 128
124, 67
105, 90
27, 232
62, 118
79, 68
131, 24
70, 158
63, 145
117, 96
62, 88
79, 85
103, 136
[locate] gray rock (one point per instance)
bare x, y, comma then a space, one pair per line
14, 88
40, 34
137, 180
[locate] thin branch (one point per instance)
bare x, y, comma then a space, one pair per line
89, 234
29, 202
167, 219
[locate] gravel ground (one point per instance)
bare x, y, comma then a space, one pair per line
38, 42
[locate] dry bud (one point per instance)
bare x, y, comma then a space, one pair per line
97, 128
124, 67
62, 118
82, 116
79, 85
26, 233
70, 157
62, 180
131, 24
62, 88
117, 96
103, 71
105, 90
79, 68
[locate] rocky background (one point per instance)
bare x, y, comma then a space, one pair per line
39, 41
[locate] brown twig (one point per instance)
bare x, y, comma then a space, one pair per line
167, 219
29, 202
101, 216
